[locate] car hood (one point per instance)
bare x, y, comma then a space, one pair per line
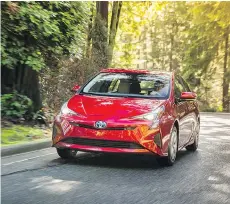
112, 107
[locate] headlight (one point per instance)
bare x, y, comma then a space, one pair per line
66, 111
147, 116
154, 115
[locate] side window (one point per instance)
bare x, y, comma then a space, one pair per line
179, 87
114, 86
185, 84
100, 86
96, 87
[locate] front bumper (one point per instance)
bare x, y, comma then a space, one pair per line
87, 148
122, 138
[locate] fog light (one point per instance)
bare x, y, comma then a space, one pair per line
157, 140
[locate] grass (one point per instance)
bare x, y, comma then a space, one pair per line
21, 134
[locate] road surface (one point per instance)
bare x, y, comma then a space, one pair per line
200, 177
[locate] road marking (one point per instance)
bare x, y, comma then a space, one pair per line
26, 159
19, 154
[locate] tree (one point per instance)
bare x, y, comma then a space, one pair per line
113, 28
35, 34
211, 41
103, 38
226, 75
191, 38
100, 36
132, 18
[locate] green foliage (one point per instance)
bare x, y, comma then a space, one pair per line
44, 116
56, 84
33, 32
134, 16
16, 106
39, 115
186, 37
19, 134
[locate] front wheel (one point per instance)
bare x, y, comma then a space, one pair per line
65, 153
172, 150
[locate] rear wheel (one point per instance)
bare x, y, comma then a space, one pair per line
193, 147
172, 150
65, 153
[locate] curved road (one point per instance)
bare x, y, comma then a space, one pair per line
200, 177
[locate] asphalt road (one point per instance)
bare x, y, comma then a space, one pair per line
200, 177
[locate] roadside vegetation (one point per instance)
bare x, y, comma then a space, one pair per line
47, 47
14, 134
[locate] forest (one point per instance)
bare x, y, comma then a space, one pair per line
48, 47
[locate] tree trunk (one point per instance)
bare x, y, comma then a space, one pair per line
226, 79
171, 52
113, 28
102, 9
7, 77
30, 87
25, 81
89, 36
100, 36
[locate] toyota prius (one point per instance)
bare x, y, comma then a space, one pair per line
129, 111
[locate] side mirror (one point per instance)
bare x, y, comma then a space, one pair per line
187, 96
75, 88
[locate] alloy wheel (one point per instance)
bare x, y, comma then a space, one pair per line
173, 145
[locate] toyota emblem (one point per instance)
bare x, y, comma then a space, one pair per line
100, 124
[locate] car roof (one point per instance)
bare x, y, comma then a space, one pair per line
134, 71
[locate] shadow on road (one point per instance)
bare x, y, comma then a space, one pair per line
119, 160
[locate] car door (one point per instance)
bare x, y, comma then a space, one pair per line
182, 113
191, 106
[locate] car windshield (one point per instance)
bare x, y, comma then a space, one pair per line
129, 85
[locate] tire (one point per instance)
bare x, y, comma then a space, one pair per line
172, 150
64, 153
193, 147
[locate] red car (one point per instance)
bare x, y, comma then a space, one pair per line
129, 111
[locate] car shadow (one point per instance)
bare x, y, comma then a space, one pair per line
119, 160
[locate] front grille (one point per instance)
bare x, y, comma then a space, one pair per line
103, 143
107, 128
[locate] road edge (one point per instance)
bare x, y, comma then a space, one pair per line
215, 113
27, 147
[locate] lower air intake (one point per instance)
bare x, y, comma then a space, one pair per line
103, 143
